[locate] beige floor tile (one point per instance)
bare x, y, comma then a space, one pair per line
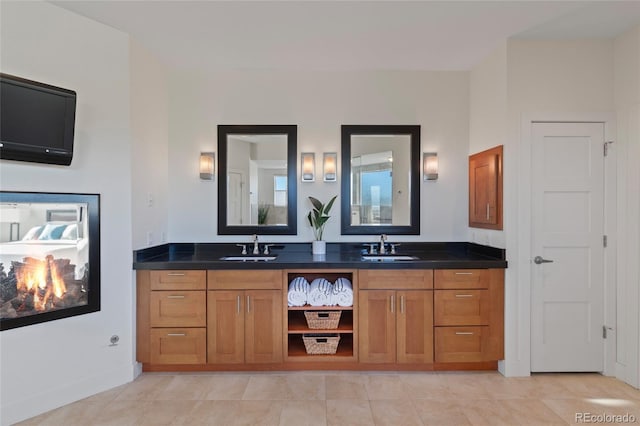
394, 412
440, 412
351, 412
424, 385
77, 413
570, 410
285, 387
185, 387
226, 387
532, 412
160, 413
303, 413
466, 385
146, 387
119, 413
210, 413
488, 412
254, 413
346, 386
386, 386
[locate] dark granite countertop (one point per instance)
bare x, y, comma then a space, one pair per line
449, 255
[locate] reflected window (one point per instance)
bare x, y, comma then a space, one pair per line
280, 190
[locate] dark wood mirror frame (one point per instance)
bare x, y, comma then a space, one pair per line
291, 228
414, 216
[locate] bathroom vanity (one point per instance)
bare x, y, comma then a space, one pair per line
443, 309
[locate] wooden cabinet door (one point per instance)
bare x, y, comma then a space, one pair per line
225, 327
485, 189
377, 326
414, 329
263, 326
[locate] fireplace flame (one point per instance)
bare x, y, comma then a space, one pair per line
42, 279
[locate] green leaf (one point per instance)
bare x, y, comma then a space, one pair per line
330, 204
316, 203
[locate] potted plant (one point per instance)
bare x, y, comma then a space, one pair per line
318, 218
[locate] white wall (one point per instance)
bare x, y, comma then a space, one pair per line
561, 80
627, 149
318, 102
149, 148
51, 364
488, 122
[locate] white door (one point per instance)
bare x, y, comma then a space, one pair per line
234, 198
567, 217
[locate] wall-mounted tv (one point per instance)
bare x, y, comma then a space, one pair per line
36, 121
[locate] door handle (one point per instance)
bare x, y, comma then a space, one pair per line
538, 260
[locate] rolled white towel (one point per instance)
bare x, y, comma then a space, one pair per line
342, 294
297, 294
320, 291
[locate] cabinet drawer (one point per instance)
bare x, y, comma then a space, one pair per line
461, 344
178, 345
245, 280
178, 280
395, 279
461, 278
461, 307
178, 309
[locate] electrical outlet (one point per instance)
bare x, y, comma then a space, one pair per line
149, 199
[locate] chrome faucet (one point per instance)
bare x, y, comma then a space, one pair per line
256, 248
382, 249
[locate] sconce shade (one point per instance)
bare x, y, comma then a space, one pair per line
330, 164
308, 160
207, 165
429, 166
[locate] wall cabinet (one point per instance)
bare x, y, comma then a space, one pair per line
485, 189
244, 317
395, 318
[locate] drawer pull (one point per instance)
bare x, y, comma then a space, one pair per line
402, 304
175, 296
464, 295
248, 304
464, 273
238, 301
176, 334
392, 302
176, 274
464, 333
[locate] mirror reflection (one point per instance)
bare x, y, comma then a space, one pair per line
257, 179
383, 176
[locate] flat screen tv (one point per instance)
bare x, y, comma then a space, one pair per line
36, 121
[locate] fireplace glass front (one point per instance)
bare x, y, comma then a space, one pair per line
49, 257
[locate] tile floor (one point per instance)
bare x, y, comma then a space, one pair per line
353, 398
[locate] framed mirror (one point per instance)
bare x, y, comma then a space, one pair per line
257, 183
380, 180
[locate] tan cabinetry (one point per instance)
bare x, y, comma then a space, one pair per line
485, 189
395, 320
468, 315
244, 317
171, 326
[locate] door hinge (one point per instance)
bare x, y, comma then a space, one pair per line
604, 241
606, 147
605, 331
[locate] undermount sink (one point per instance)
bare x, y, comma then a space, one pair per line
249, 258
387, 258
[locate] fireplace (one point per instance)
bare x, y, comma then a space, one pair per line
49, 257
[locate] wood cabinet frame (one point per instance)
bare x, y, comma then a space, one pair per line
485, 189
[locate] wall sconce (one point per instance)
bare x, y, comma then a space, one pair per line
429, 166
329, 165
207, 165
308, 161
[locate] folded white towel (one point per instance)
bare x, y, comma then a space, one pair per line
320, 291
342, 294
297, 294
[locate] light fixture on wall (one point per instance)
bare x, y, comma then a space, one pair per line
429, 166
207, 165
308, 161
329, 166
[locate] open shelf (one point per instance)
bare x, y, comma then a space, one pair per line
298, 324
320, 308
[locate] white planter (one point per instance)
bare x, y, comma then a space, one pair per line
318, 247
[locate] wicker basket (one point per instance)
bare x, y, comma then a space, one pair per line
322, 319
317, 344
